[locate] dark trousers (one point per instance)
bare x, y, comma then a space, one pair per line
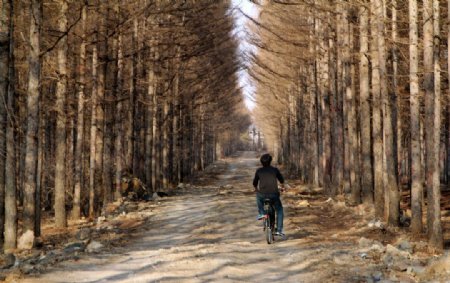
275, 198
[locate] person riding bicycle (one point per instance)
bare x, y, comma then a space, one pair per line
266, 187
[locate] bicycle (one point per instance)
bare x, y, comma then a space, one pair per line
269, 226
269, 220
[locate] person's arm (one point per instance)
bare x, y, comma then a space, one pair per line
280, 177
255, 181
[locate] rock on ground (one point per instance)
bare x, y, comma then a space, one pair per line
7, 261
26, 241
74, 247
94, 246
83, 234
404, 245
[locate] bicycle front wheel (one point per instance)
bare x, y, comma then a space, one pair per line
269, 232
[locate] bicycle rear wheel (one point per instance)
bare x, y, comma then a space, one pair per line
269, 231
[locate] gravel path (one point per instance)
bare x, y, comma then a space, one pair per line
211, 235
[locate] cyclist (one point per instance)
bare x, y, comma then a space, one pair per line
266, 187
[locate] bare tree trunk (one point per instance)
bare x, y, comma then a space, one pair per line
165, 138
325, 107
5, 24
394, 197
416, 168
10, 208
80, 116
433, 127
352, 138
60, 154
332, 61
118, 116
366, 164
337, 105
111, 80
103, 141
397, 117
93, 132
33, 95
448, 101
155, 142
149, 126
176, 119
313, 111
131, 113
376, 115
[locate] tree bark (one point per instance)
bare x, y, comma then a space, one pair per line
165, 137
130, 135
351, 113
151, 94
93, 130
416, 168
396, 103
10, 225
448, 101
313, 110
60, 154
5, 38
155, 133
176, 118
98, 90
394, 196
433, 122
80, 115
33, 95
118, 147
366, 164
376, 115
325, 107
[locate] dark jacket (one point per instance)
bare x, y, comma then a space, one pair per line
265, 180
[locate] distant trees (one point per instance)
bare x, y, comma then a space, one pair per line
99, 93
352, 73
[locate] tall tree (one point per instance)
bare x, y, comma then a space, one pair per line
33, 95
8, 210
416, 168
10, 231
394, 197
351, 113
5, 50
433, 121
80, 117
61, 88
377, 135
366, 162
95, 121
118, 145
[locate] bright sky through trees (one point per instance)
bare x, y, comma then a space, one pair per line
244, 47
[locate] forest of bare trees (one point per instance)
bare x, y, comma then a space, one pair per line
95, 93
354, 96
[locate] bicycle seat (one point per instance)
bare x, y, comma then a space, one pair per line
268, 201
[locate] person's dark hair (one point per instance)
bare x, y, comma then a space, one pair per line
266, 159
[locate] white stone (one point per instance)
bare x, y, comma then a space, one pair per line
396, 253
94, 246
101, 219
26, 241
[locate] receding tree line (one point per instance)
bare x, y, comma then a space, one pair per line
351, 98
94, 92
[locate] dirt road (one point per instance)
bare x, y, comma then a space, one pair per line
212, 235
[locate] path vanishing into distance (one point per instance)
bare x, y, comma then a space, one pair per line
209, 233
